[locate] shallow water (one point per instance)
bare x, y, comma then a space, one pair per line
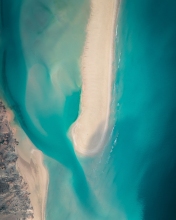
133, 178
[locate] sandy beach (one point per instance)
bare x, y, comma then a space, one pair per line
89, 130
30, 166
35, 174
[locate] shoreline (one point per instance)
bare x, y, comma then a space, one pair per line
89, 131
31, 167
36, 175
14, 190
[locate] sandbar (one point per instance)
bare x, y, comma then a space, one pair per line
89, 130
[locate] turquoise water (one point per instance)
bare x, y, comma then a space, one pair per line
133, 178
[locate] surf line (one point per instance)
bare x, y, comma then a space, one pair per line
89, 130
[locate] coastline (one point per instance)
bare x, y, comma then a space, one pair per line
30, 166
15, 202
89, 131
36, 176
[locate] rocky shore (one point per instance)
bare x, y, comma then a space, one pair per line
15, 203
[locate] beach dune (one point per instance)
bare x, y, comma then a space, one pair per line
89, 129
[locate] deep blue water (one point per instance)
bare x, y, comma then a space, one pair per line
144, 156
134, 177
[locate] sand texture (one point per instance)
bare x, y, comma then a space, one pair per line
36, 176
89, 130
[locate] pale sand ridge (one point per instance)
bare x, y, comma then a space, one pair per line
89, 130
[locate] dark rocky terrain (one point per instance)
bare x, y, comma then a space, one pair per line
14, 196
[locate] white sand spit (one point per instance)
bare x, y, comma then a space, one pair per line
89, 130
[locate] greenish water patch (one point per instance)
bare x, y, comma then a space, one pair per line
43, 43
69, 114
